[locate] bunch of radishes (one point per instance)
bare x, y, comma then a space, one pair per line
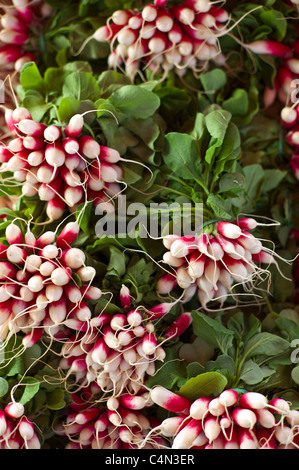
212, 264
61, 166
232, 420
116, 424
118, 352
161, 38
16, 26
16, 430
45, 284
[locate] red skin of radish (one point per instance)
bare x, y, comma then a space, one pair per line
266, 439
159, 311
8, 270
101, 350
160, 3
129, 401
68, 235
246, 439
32, 128
3, 249
55, 208
32, 338
87, 416
166, 284
14, 235
277, 49
125, 298
75, 126
5, 154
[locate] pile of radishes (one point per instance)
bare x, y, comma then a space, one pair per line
45, 284
16, 25
117, 423
159, 38
62, 167
119, 352
16, 430
213, 264
229, 421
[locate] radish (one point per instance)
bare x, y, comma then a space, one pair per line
7, 270
228, 230
228, 398
36, 158
149, 13
179, 326
149, 344
170, 400
13, 37
277, 49
184, 15
132, 402
211, 428
14, 235
75, 126
164, 21
279, 405
166, 284
187, 435
244, 418
14, 410
125, 298
26, 429
182, 247
215, 407
54, 293
31, 128
89, 147
60, 276
55, 208
284, 434
266, 439
68, 235
288, 116
52, 133
16, 255
54, 154
73, 258
247, 439
3, 423
253, 400
87, 416
265, 418
293, 417
160, 310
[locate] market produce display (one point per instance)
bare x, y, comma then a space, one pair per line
149, 236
